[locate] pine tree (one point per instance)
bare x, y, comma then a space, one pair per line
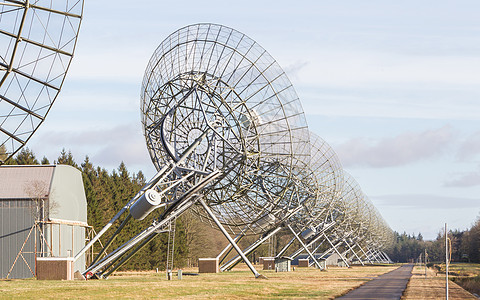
45, 161
66, 159
3, 153
139, 178
26, 157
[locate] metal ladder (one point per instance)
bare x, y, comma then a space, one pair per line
171, 245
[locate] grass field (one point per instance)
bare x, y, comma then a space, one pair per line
239, 284
467, 275
461, 269
432, 286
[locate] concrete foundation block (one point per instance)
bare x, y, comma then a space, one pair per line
208, 265
303, 263
54, 268
269, 263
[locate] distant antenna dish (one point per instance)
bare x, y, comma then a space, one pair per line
324, 180
208, 74
227, 134
228, 137
37, 41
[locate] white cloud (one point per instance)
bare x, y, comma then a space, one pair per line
427, 213
470, 147
466, 179
419, 201
106, 147
395, 151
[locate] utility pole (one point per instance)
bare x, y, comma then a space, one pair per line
425, 256
446, 262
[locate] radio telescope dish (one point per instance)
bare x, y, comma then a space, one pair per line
325, 183
37, 41
228, 137
207, 74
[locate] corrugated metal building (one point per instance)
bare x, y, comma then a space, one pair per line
52, 195
332, 259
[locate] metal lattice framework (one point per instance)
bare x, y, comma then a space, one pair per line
227, 134
37, 41
319, 182
359, 229
204, 74
340, 219
324, 181
228, 137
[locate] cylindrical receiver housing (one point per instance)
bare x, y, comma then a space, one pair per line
145, 204
308, 233
265, 221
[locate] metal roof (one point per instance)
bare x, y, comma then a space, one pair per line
25, 182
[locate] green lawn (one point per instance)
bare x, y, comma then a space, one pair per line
467, 275
302, 283
461, 269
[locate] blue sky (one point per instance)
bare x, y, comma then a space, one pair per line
393, 87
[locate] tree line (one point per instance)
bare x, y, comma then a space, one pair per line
465, 246
107, 192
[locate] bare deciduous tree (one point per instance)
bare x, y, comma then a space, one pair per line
38, 192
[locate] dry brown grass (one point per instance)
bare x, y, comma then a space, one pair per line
432, 287
306, 283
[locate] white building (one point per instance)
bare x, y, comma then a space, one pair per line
52, 195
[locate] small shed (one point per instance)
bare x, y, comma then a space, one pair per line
43, 213
282, 264
268, 263
208, 265
334, 260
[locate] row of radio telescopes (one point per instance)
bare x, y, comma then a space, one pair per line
225, 130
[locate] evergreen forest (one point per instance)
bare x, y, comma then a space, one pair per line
106, 193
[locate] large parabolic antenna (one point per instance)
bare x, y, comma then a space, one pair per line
208, 74
37, 41
227, 134
228, 137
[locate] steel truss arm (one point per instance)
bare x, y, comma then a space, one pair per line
364, 254
354, 253
182, 204
155, 181
237, 259
232, 242
336, 250
305, 248
315, 239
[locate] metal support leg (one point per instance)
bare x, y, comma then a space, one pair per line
132, 242
365, 254
305, 247
224, 231
234, 261
380, 255
369, 255
285, 248
388, 258
112, 238
348, 245
313, 241
335, 248
228, 248
126, 258
377, 255
372, 254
